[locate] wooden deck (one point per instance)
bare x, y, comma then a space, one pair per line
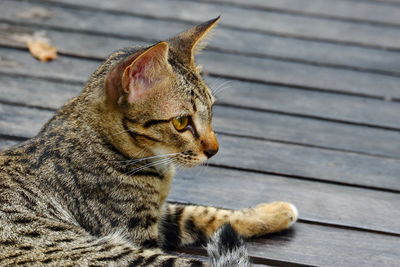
311, 112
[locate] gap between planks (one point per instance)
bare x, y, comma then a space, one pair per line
232, 27
304, 85
301, 13
11, 103
275, 173
21, 47
260, 110
53, 109
39, 26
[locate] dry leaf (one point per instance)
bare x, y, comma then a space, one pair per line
42, 50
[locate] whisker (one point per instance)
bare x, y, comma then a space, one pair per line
225, 86
174, 162
151, 164
217, 93
215, 81
222, 85
136, 160
152, 157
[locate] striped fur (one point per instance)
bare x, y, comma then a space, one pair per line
90, 188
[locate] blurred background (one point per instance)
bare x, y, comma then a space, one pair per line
308, 107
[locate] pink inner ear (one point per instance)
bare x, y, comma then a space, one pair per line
138, 83
138, 74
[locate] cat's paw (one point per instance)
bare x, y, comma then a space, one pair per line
266, 218
277, 215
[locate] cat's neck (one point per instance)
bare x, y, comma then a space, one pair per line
79, 126
87, 132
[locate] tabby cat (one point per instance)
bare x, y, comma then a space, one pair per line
90, 188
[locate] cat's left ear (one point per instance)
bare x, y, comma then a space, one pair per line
139, 73
189, 42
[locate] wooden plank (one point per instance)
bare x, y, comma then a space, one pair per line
278, 127
305, 243
315, 163
225, 40
36, 92
284, 73
293, 101
353, 109
22, 121
324, 246
267, 70
284, 24
316, 201
359, 11
316, 245
346, 108
7, 143
150, 29
298, 245
64, 68
257, 155
307, 132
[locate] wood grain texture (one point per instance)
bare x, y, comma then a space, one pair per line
7, 143
316, 201
331, 79
346, 168
257, 155
307, 131
63, 69
22, 121
357, 11
329, 106
281, 23
317, 245
276, 98
358, 110
324, 246
317, 77
279, 127
36, 92
230, 41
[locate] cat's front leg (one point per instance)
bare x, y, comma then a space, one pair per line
188, 224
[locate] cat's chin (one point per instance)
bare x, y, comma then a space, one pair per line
190, 164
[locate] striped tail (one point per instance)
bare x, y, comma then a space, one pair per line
226, 249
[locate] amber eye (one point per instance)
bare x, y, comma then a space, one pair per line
180, 123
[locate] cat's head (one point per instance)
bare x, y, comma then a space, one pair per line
161, 103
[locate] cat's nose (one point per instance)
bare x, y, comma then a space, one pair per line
210, 152
210, 145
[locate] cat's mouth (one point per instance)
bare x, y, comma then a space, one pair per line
189, 159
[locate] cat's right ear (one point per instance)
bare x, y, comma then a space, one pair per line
136, 75
188, 43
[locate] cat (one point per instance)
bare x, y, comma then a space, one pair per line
90, 188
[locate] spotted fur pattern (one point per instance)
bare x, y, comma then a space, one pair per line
90, 188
